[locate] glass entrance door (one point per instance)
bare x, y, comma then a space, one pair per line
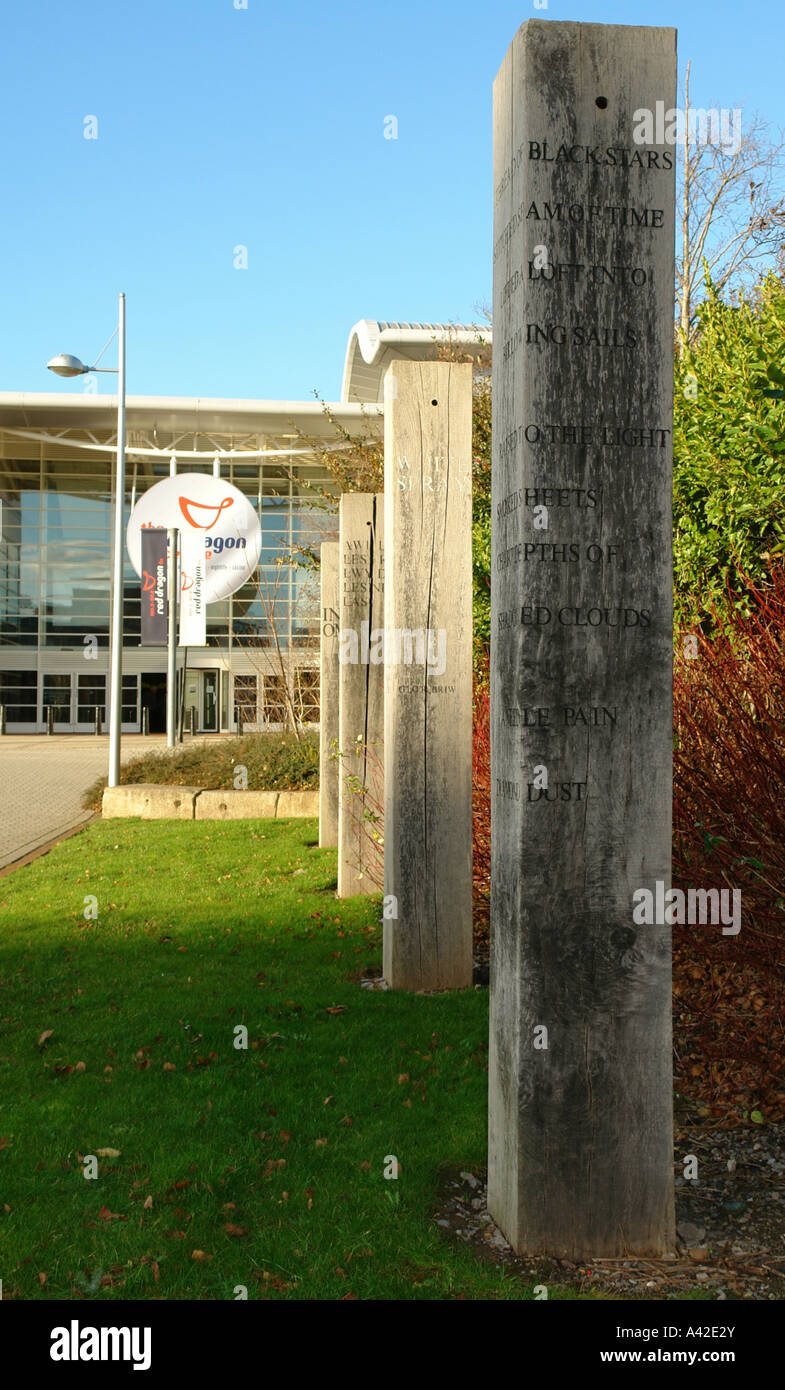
193, 698
210, 702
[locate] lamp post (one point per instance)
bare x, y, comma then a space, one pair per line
66, 365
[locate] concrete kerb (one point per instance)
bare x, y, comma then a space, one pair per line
151, 801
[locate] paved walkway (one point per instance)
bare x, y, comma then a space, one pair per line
42, 780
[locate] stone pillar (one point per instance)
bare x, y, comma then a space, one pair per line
328, 693
361, 685
428, 676
580, 1106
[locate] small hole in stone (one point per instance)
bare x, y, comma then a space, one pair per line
602, 102
434, 402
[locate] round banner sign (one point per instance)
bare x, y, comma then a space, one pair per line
201, 504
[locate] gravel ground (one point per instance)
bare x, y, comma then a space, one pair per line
730, 1224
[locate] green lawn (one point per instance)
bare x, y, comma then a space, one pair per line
269, 1161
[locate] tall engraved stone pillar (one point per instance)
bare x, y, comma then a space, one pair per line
361, 685
428, 677
580, 1130
328, 692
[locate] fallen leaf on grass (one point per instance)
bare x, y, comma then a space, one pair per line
232, 1230
45, 1036
80, 1066
106, 1215
320, 1143
200, 1256
41, 1278
148, 1203
108, 1153
169, 1066
273, 1279
336, 1009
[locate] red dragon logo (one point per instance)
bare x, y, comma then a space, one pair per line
187, 506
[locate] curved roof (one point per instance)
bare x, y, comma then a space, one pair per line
81, 409
372, 346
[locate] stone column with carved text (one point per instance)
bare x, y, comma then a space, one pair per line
361, 691
580, 1094
428, 677
328, 692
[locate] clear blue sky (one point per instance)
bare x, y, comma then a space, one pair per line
264, 127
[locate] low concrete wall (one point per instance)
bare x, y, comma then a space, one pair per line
297, 804
236, 805
151, 801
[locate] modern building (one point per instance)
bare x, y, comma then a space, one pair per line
57, 454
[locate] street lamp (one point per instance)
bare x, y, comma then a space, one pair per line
66, 365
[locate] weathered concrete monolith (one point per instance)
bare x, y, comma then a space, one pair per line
580, 1137
329, 669
428, 676
361, 684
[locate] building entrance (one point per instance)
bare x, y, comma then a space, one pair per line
154, 699
201, 694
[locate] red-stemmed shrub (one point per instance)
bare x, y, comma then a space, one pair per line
729, 832
481, 816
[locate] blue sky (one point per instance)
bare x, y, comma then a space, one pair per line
263, 127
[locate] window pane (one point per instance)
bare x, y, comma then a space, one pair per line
130, 700
18, 690
245, 688
57, 696
91, 691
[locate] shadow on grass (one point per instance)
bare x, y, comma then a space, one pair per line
203, 1037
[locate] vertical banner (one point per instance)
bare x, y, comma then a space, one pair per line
154, 594
193, 608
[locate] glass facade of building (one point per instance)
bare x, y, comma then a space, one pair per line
55, 567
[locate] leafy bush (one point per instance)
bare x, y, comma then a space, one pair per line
274, 762
729, 452
481, 521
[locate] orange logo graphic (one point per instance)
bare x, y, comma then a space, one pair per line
187, 506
